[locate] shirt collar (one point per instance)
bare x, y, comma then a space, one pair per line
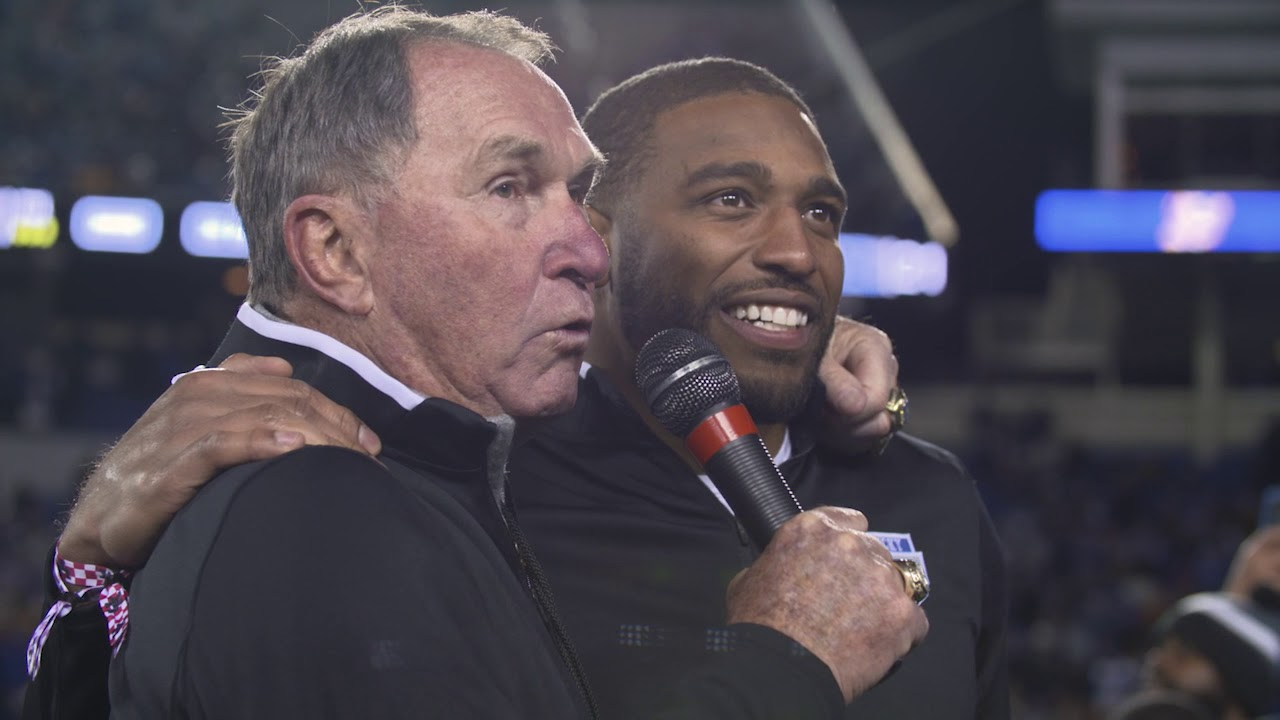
264, 323
438, 432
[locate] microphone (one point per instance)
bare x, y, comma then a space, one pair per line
692, 390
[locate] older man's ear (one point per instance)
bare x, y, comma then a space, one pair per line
329, 245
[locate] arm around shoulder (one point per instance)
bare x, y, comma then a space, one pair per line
290, 595
71, 683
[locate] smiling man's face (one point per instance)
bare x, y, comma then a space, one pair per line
731, 230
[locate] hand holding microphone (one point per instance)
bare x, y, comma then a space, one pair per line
694, 393
820, 578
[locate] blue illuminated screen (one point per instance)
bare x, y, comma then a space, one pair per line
1157, 221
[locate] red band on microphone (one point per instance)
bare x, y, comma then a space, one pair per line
718, 430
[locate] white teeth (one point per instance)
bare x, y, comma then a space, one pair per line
771, 317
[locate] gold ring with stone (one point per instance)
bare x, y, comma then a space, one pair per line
897, 409
913, 579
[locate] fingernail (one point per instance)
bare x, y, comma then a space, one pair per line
369, 440
289, 438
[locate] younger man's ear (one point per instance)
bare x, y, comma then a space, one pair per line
602, 224
603, 227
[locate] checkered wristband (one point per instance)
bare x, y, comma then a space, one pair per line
105, 584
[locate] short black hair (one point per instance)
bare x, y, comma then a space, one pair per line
621, 121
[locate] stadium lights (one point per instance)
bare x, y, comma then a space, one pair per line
875, 266
116, 224
26, 218
1151, 221
885, 267
212, 229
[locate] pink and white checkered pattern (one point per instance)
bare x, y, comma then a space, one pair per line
89, 579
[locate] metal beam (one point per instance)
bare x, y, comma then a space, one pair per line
1192, 56
827, 25
1153, 14
1204, 100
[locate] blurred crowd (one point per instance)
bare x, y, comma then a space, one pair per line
162, 69
1100, 545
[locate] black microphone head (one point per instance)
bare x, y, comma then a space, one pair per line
684, 378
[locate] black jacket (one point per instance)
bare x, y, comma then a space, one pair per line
640, 553
322, 584
325, 584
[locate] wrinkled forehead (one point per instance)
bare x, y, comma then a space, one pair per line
441, 64
467, 95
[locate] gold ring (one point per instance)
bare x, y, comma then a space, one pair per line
897, 409
913, 579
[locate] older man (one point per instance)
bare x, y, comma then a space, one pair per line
413, 192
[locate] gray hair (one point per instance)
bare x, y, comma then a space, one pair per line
339, 117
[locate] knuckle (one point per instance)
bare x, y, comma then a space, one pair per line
846, 519
302, 399
809, 521
348, 422
856, 517
849, 543
190, 382
270, 415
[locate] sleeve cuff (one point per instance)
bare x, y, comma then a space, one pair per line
756, 673
788, 660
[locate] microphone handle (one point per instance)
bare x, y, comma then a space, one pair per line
745, 475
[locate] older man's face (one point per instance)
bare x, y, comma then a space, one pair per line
485, 258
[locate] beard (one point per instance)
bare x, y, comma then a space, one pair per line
649, 301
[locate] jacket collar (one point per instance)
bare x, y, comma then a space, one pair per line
431, 430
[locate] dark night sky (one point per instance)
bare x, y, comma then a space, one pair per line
985, 112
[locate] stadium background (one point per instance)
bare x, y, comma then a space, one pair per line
1115, 408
